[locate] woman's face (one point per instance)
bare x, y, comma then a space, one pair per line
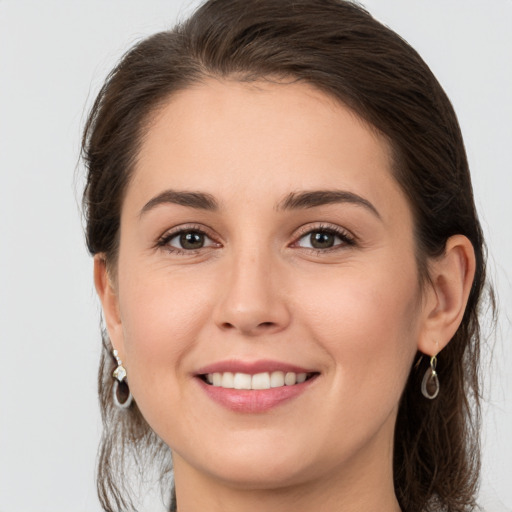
263, 234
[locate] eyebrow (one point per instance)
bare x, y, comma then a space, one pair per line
198, 200
312, 199
293, 201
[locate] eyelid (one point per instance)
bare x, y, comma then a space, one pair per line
348, 238
168, 235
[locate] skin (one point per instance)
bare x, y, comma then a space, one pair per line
356, 312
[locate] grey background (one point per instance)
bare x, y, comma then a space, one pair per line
53, 58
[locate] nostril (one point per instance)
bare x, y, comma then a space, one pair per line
257, 328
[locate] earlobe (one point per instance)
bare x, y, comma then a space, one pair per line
451, 278
109, 301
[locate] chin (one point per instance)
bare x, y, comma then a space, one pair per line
262, 462
271, 474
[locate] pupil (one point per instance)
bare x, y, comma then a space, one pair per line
192, 240
322, 240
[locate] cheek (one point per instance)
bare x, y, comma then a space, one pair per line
162, 315
364, 299
368, 323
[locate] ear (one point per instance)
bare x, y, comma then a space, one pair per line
451, 278
109, 301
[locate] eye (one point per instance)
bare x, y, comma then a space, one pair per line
324, 238
189, 240
186, 240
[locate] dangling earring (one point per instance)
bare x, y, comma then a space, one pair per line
430, 382
120, 392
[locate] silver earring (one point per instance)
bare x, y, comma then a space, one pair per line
120, 392
430, 382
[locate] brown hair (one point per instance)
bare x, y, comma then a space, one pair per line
340, 49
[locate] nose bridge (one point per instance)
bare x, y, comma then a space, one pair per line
251, 300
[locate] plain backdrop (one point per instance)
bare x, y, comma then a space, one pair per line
53, 57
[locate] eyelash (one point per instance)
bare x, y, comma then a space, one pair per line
346, 239
163, 241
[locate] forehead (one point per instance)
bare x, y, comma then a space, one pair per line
260, 140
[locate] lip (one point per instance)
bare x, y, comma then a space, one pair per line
251, 367
253, 401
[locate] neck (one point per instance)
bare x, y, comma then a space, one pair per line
291, 499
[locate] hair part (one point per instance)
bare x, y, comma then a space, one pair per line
337, 47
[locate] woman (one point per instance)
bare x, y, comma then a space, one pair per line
285, 246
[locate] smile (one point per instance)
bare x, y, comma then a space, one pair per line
259, 381
254, 387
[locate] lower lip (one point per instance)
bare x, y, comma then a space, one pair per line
254, 401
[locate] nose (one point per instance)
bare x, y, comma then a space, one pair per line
252, 297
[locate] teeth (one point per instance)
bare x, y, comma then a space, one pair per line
276, 379
242, 381
301, 377
290, 379
260, 381
227, 380
264, 380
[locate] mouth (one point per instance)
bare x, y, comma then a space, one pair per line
254, 387
258, 381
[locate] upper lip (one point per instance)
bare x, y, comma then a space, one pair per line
251, 367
